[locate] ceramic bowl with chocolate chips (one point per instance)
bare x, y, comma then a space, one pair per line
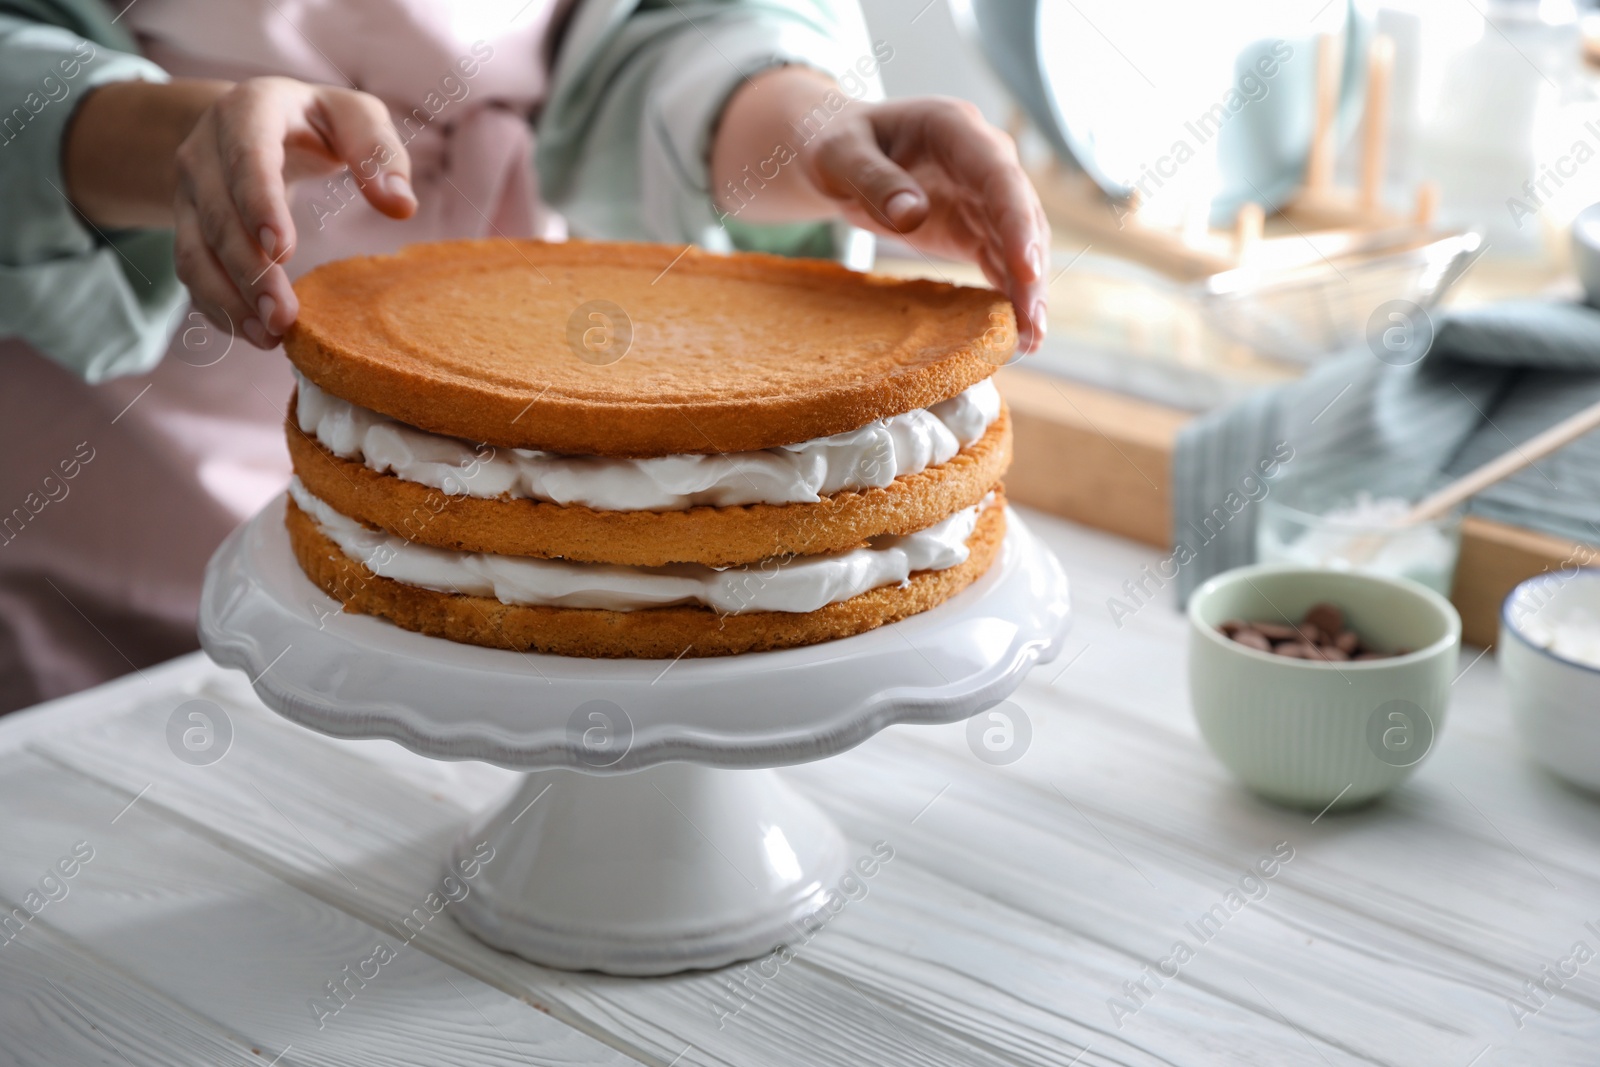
1319, 688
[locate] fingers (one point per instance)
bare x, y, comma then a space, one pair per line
257, 125
227, 273
1031, 297
236, 229
980, 158
1037, 316
231, 205
210, 286
361, 134
982, 207
250, 125
851, 166
238, 190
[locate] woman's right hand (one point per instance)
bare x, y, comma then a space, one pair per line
231, 204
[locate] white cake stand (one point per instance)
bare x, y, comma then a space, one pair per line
645, 841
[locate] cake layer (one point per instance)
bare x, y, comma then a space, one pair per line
636, 350
788, 583
715, 536
871, 456
652, 633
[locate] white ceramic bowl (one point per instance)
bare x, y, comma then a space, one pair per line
1315, 734
1586, 250
1555, 700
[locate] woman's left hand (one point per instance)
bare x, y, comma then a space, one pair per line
928, 170
932, 172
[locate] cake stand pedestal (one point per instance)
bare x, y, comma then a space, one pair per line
647, 838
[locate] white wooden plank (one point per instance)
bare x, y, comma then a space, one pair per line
389, 838
1390, 975
238, 947
61, 1004
181, 675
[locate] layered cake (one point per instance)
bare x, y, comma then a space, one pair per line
614, 450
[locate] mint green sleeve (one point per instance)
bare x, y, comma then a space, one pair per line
97, 303
624, 138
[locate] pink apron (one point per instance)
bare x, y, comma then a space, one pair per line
105, 575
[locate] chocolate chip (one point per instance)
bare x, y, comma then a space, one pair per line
1277, 631
1321, 637
1251, 639
1325, 617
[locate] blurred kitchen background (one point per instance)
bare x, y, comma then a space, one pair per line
1482, 97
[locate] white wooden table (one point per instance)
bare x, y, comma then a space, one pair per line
1021, 901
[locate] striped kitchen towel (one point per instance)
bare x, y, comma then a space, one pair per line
1494, 376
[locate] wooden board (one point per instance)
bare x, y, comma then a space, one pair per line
1495, 558
1091, 456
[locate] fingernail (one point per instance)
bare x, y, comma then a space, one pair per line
257, 335
1036, 259
899, 204
396, 185
265, 307
1037, 316
269, 241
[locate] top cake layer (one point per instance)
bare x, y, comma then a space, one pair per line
635, 349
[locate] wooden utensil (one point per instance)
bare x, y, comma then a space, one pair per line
1525, 455
1361, 551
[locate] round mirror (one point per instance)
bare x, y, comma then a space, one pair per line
1182, 104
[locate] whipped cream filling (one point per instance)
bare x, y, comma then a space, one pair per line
798, 583
870, 457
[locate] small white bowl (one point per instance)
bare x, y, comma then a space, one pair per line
1586, 251
1555, 700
